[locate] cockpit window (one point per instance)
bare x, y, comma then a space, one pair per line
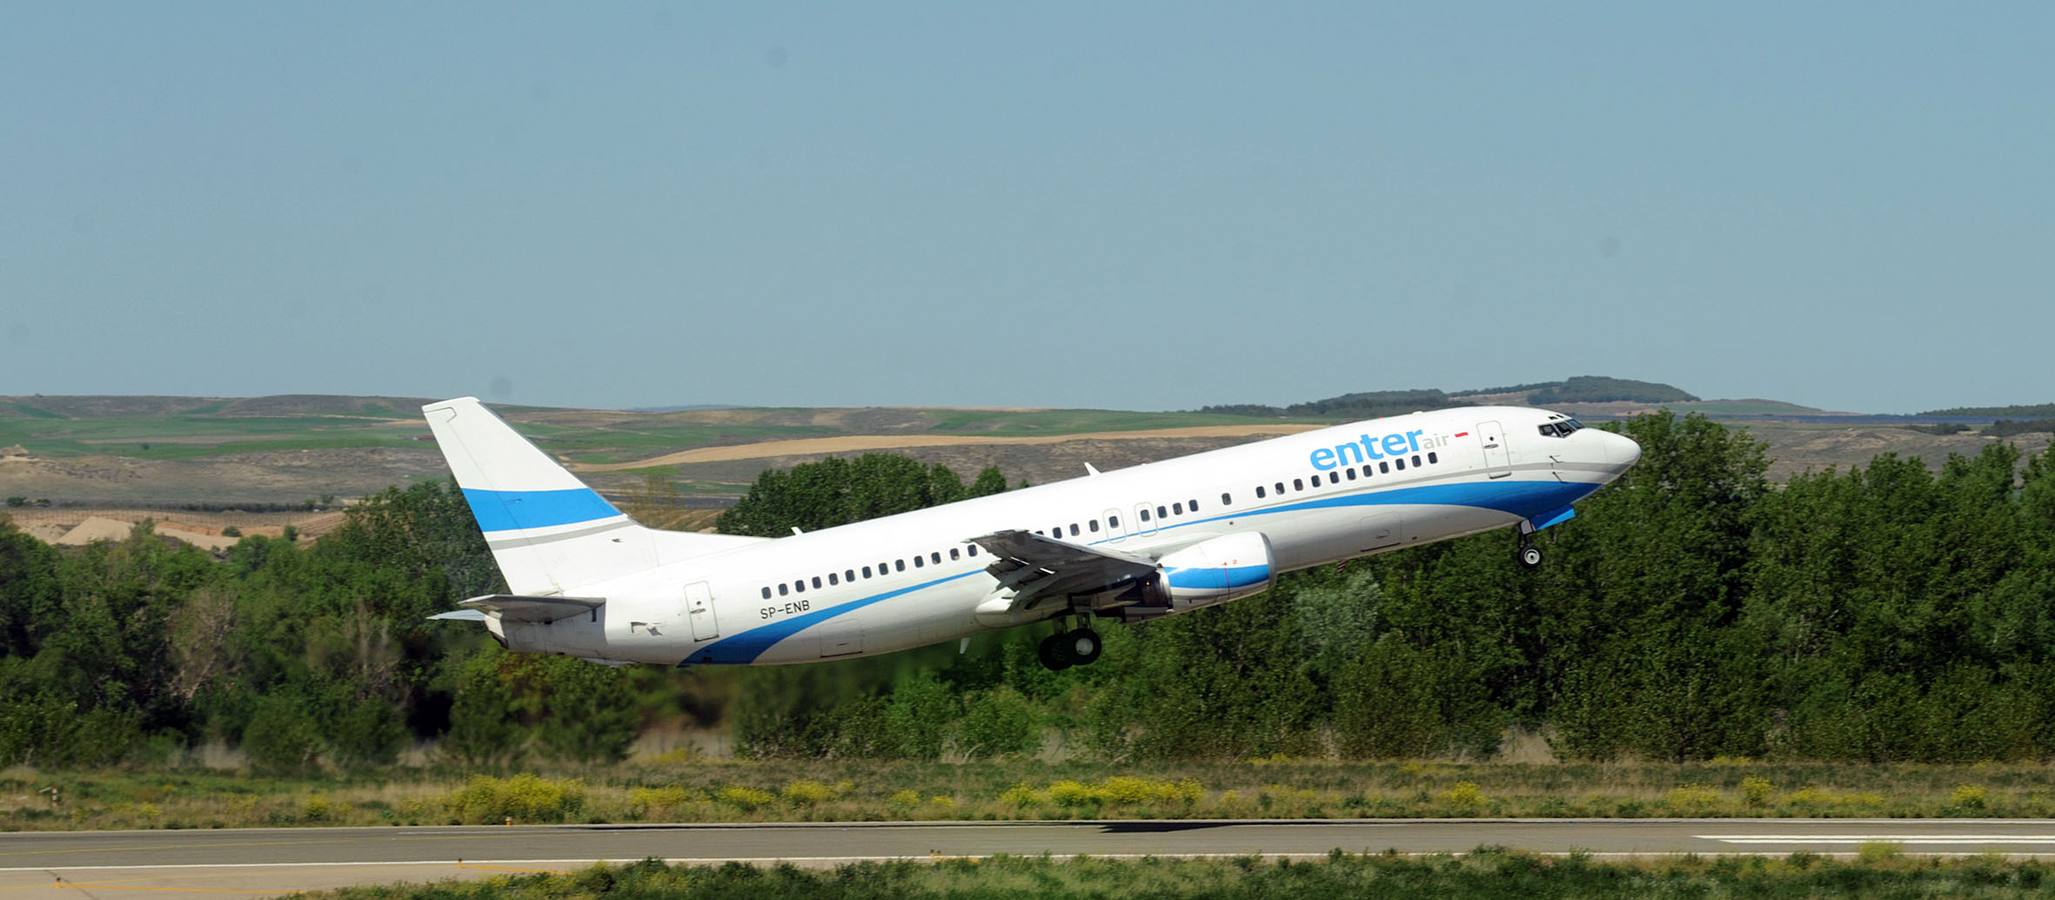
1548, 429
1569, 425
1562, 428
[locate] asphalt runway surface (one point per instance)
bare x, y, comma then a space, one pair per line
266, 861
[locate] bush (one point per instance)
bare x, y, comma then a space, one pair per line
1969, 796
281, 738
998, 722
806, 792
747, 799
1756, 790
486, 800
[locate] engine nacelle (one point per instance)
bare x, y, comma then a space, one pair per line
1206, 573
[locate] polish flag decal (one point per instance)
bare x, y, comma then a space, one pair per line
1462, 434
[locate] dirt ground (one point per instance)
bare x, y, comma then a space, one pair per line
863, 443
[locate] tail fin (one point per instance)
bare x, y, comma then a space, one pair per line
550, 534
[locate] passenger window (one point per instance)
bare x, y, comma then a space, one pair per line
1259, 492
1073, 529
866, 571
973, 549
1162, 513
918, 562
782, 589
1367, 470
935, 557
817, 582
1192, 505
832, 579
1145, 514
849, 575
1177, 508
799, 586
1280, 489
1226, 500
1112, 521
899, 565
1298, 484
955, 553
1416, 462
1334, 478
767, 592
1092, 525
1350, 472
1384, 467
1432, 458
1401, 462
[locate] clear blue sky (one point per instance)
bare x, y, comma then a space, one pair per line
1112, 205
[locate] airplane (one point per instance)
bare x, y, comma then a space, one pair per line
1159, 539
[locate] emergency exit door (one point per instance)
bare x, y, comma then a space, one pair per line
699, 607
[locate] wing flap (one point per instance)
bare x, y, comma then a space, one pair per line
1037, 567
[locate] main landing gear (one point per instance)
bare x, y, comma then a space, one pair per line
1076, 647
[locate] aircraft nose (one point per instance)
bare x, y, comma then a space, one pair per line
1622, 450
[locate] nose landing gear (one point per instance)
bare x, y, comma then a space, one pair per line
1529, 556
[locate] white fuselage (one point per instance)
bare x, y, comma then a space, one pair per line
915, 578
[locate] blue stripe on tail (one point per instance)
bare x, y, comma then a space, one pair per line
512, 510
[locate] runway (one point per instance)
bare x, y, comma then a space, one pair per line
257, 862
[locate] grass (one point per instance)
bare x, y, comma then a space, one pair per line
1483, 873
608, 437
685, 789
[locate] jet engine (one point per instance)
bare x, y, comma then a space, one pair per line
1206, 573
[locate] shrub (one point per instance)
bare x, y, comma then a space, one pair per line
1756, 790
747, 799
806, 792
905, 801
1969, 796
1463, 797
522, 798
280, 737
998, 722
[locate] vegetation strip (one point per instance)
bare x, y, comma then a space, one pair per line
1487, 872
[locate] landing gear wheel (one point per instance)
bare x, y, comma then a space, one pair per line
1082, 646
1051, 652
1530, 557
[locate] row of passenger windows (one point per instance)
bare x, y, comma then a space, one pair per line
1337, 476
1089, 527
882, 569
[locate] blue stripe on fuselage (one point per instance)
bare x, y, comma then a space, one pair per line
512, 510
744, 648
1525, 499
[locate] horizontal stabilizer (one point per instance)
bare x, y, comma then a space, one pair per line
516, 608
459, 615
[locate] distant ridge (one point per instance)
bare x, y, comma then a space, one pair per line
2031, 411
1368, 404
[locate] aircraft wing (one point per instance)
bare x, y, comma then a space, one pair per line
1040, 568
514, 608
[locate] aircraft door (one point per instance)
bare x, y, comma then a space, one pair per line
1114, 531
699, 607
1497, 464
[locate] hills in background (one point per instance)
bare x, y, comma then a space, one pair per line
297, 451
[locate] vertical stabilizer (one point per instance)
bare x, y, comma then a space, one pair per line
549, 533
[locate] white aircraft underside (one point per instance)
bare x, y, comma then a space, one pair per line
1153, 540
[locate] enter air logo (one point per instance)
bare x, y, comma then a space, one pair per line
1368, 448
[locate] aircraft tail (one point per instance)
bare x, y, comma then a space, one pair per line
550, 534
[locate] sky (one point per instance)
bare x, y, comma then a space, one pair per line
1125, 205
